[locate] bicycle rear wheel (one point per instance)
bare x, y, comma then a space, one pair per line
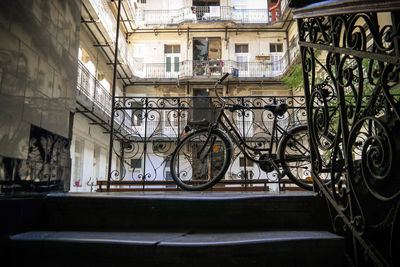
200, 162
295, 156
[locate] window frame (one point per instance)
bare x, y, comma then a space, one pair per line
276, 46
243, 64
136, 168
172, 58
249, 163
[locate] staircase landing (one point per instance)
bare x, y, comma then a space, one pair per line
180, 229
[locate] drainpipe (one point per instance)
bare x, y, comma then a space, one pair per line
288, 47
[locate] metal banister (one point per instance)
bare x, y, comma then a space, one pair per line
350, 54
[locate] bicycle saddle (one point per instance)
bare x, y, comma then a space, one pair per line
277, 109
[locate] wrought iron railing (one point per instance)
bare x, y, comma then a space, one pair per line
158, 123
351, 66
92, 94
273, 67
90, 88
268, 67
197, 14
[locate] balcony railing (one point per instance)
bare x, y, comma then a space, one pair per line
92, 94
198, 14
160, 118
158, 123
90, 89
212, 68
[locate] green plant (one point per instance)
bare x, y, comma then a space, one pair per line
294, 78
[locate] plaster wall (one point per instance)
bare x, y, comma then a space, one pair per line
92, 137
276, 89
176, 4
152, 46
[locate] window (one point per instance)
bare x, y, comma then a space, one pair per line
242, 58
138, 59
243, 160
241, 48
172, 54
275, 48
206, 48
141, 1
276, 59
276, 65
136, 165
172, 49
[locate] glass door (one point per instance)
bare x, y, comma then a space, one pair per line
172, 57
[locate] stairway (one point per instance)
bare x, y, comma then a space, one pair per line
178, 229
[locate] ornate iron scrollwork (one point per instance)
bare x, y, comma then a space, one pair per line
351, 68
150, 127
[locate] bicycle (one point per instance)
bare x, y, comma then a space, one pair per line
202, 158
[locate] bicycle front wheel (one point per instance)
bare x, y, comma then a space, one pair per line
295, 156
201, 160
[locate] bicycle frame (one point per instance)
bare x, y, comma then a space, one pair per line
273, 155
235, 136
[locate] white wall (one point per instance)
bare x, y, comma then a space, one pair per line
257, 4
176, 4
153, 46
92, 136
165, 4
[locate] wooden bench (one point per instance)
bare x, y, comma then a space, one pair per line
223, 185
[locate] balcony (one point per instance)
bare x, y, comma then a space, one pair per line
203, 14
93, 98
211, 68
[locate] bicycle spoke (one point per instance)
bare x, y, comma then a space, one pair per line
200, 161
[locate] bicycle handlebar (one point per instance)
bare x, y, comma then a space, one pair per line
223, 78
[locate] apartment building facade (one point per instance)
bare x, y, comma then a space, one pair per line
172, 53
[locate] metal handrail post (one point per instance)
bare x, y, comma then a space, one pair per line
113, 97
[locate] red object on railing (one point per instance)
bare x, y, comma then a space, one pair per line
275, 11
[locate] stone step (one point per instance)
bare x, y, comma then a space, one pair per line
230, 247
184, 210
